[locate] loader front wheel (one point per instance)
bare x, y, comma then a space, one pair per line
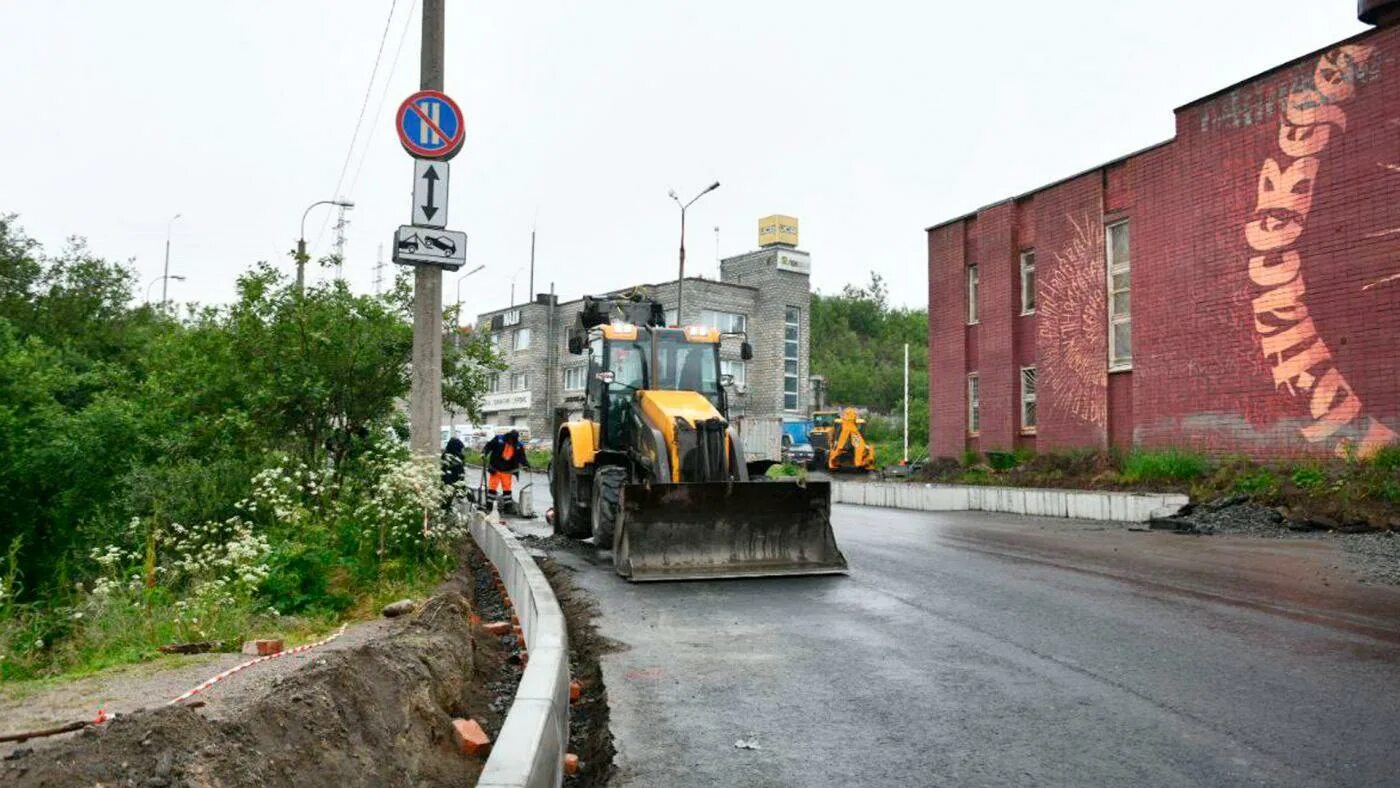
569, 518
607, 497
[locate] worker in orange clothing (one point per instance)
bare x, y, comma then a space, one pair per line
503, 456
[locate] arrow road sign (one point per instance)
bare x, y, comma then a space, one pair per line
429, 193
424, 246
431, 125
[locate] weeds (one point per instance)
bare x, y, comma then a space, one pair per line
1168, 465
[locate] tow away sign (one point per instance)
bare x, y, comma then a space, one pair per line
425, 246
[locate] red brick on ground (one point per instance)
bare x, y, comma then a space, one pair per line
262, 648
470, 738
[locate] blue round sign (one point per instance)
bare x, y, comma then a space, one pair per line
431, 125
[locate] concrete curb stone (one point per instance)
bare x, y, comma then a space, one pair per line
530, 749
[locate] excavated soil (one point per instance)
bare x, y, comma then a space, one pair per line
377, 714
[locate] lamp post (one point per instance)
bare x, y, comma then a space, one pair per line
301, 239
163, 278
680, 276
165, 275
457, 335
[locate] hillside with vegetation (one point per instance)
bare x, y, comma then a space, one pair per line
222, 473
858, 343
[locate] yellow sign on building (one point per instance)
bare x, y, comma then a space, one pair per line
777, 230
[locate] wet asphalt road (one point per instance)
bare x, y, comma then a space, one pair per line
977, 649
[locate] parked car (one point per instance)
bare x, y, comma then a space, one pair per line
799, 453
901, 471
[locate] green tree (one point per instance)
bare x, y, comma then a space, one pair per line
858, 344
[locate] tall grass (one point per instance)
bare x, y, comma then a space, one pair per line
1163, 465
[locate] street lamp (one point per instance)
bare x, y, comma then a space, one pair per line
301, 239
456, 337
163, 278
680, 276
165, 275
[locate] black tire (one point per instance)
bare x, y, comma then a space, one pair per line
569, 517
607, 499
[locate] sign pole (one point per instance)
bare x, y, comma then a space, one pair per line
425, 394
906, 403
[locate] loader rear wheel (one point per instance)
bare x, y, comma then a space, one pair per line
607, 498
569, 518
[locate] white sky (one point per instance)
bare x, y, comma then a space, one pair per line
868, 121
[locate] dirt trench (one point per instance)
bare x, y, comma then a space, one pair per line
378, 714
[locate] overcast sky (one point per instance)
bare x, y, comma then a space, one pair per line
868, 121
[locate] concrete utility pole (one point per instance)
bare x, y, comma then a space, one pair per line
425, 393
680, 276
531, 294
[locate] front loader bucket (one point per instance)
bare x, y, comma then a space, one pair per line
725, 529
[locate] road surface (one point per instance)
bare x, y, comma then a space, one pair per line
980, 649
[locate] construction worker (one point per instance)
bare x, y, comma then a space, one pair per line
503, 456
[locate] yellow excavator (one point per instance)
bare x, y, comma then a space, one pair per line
837, 442
655, 471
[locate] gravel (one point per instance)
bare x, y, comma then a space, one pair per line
1374, 556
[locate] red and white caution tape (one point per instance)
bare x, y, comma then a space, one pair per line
250, 663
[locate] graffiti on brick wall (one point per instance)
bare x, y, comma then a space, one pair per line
1302, 364
1389, 276
1260, 103
1072, 328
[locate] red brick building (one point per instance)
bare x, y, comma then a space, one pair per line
1234, 289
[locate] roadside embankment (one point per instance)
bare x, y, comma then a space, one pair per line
377, 714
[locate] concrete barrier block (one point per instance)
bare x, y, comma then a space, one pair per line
529, 753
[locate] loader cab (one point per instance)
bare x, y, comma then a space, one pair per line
624, 359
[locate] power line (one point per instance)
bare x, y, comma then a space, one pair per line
383, 95
364, 105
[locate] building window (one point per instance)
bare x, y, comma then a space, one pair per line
1028, 399
737, 369
522, 339
493, 384
673, 318
727, 322
520, 381
971, 294
1120, 322
791, 327
574, 378
1028, 282
974, 404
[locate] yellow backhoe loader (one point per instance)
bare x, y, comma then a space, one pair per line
654, 471
838, 444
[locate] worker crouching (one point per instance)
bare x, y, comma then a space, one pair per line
503, 457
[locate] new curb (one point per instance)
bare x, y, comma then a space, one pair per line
531, 746
1080, 504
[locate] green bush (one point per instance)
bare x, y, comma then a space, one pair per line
1309, 477
1165, 465
1002, 460
172, 479
1387, 458
971, 458
1256, 481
